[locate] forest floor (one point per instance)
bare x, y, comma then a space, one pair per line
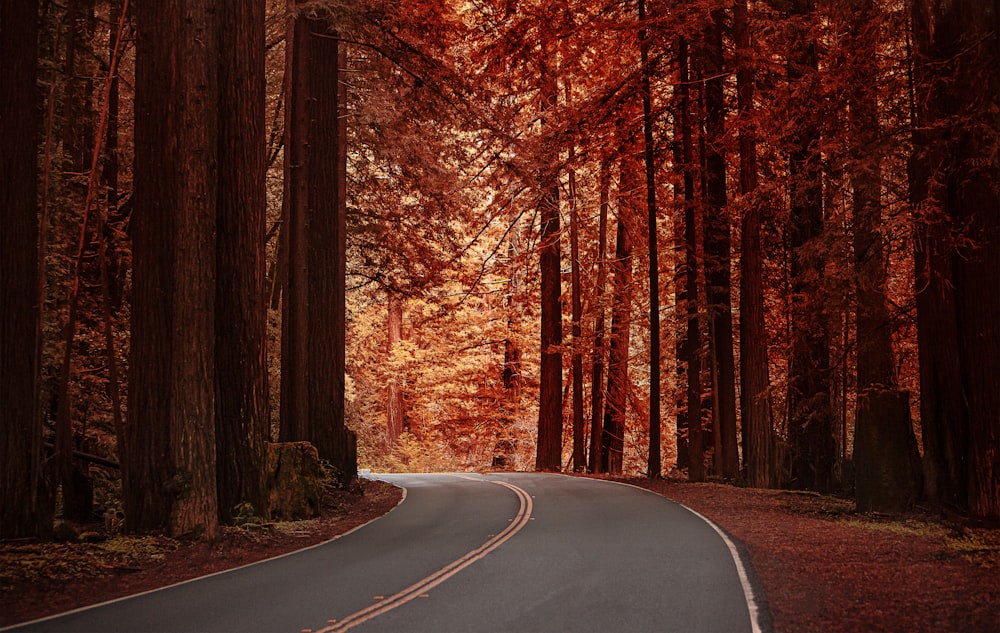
823, 567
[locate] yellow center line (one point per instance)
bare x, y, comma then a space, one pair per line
421, 587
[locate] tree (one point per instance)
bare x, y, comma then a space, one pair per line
886, 460
242, 420
600, 295
21, 433
717, 246
394, 395
549, 451
314, 327
690, 446
755, 403
171, 414
953, 186
810, 425
653, 463
613, 433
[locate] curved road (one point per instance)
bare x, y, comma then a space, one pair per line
467, 552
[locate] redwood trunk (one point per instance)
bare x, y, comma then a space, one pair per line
20, 428
600, 293
242, 418
717, 256
755, 404
171, 429
549, 450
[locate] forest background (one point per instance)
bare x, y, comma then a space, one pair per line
752, 241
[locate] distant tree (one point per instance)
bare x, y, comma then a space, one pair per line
171, 414
810, 425
600, 299
613, 440
394, 390
20, 430
954, 188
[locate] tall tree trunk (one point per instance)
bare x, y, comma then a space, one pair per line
326, 252
717, 250
653, 466
549, 450
579, 448
811, 411
171, 413
886, 459
600, 293
690, 445
242, 422
20, 428
953, 180
394, 391
755, 403
294, 414
613, 440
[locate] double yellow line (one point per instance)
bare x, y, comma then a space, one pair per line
420, 587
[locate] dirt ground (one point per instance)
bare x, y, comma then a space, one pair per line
823, 567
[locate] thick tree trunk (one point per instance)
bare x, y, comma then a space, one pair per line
20, 428
549, 450
327, 249
717, 255
600, 294
653, 465
886, 459
690, 445
171, 429
241, 407
294, 304
314, 307
810, 426
755, 403
954, 187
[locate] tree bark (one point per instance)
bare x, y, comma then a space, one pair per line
394, 391
20, 428
811, 416
690, 446
954, 187
755, 402
653, 465
579, 454
171, 429
600, 293
241, 406
549, 450
886, 459
613, 440
717, 249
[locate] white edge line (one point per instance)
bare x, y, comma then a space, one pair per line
206, 576
753, 605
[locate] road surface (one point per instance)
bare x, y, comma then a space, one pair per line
473, 553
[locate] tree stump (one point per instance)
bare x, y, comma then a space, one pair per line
887, 470
294, 480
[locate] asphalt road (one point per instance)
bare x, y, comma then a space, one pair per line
472, 553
